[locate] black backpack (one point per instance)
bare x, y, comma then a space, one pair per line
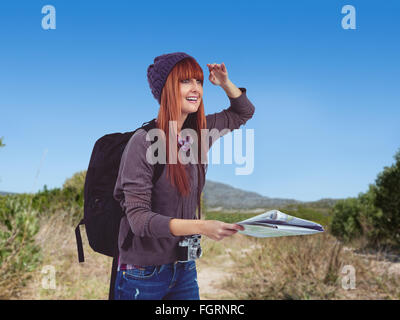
102, 213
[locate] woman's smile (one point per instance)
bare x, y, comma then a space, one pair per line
191, 91
193, 99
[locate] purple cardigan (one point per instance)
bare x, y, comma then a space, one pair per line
149, 208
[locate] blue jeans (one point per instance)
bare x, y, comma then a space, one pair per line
172, 281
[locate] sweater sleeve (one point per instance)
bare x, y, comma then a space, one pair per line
240, 110
136, 175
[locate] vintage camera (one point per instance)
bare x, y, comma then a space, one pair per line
189, 248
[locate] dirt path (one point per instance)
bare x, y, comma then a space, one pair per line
210, 279
216, 269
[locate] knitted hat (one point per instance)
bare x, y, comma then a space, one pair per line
157, 73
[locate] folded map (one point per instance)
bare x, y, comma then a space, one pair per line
275, 223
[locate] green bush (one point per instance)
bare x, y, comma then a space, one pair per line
76, 182
19, 223
357, 217
375, 214
69, 199
388, 200
346, 219
18, 252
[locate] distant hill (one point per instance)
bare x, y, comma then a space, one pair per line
220, 196
223, 196
3, 193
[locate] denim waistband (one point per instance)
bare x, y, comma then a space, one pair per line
124, 266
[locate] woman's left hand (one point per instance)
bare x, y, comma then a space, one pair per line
218, 74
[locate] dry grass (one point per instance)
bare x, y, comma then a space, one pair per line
307, 267
239, 267
88, 280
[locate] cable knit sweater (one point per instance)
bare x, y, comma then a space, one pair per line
149, 208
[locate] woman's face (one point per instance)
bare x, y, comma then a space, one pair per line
191, 93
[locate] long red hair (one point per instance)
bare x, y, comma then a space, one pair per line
170, 110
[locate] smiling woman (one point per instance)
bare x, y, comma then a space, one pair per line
159, 235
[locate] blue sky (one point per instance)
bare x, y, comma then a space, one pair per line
327, 99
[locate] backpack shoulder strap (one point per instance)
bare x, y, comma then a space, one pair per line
158, 170
81, 256
158, 167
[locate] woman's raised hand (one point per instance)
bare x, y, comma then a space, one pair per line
218, 74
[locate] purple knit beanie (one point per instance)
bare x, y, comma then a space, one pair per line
157, 73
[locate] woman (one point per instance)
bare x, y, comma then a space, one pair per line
162, 214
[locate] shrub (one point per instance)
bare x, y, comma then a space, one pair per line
346, 219
388, 200
70, 198
19, 254
375, 214
76, 182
